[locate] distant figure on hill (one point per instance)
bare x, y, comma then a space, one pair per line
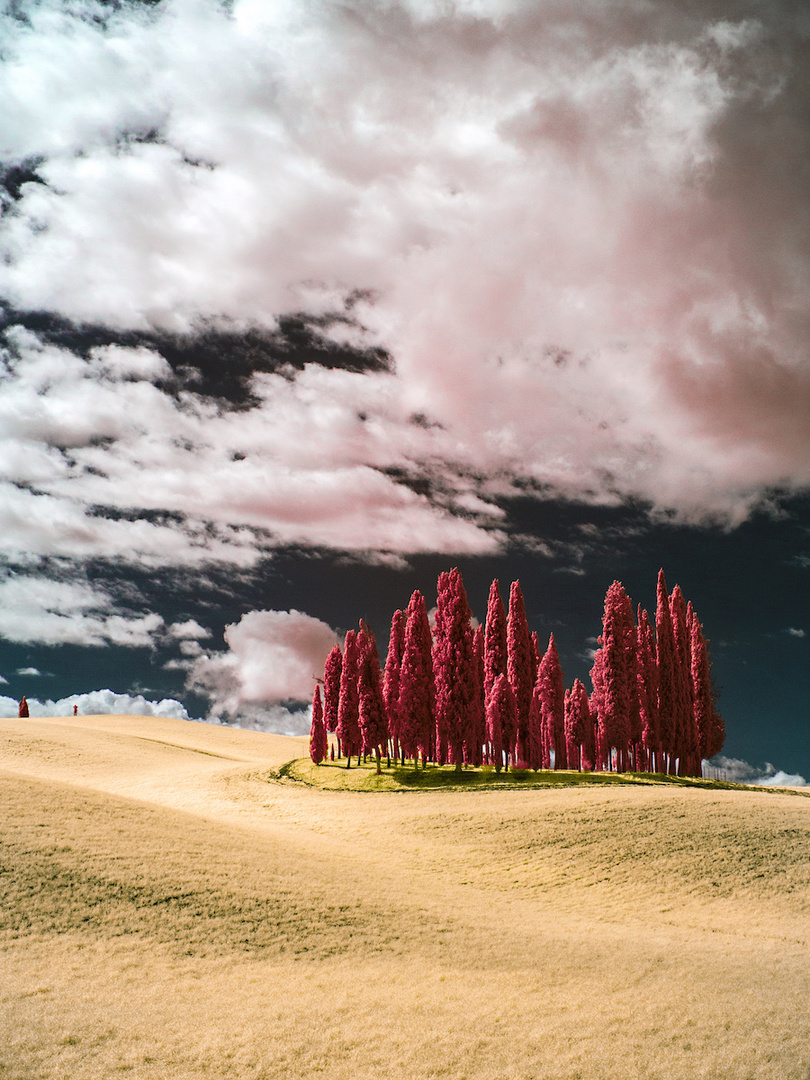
75, 710
23, 707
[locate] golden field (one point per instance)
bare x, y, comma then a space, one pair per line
171, 908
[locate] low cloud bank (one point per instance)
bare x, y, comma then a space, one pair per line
741, 772
99, 702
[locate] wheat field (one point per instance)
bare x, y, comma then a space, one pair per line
172, 909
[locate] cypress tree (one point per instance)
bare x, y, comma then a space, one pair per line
372, 716
647, 681
708, 720
331, 688
318, 742
348, 725
579, 728
519, 667
666, 660
536, 732
494, 640
501, 718
552, 704
473, 750
611, 676
453, 669
393, 665
417, 694
686, 738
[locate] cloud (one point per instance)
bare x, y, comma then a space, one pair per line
272, 657
794, 632
190, 630
31, 671
99, 702
41, 609
740, 772
550, 217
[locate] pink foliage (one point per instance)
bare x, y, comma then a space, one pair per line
331, 688
348, 725
393, 666
551, 697
454, 670
318, 742
519, 668
501, 719
579, 734
709, 722
417, 692
494, 640
372, 716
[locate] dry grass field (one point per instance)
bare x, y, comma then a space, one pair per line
169, 910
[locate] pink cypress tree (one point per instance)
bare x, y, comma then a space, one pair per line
552, 704
393, 665
647, 681
474, 746
686, 737
519, 667
417, 693
331, 688
708, 720
494, 640
372, 715
501, 718
579, 728
348, 725
318, 742
536, 732
453, 669
611, 677
667, 686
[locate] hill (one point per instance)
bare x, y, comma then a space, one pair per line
174, 906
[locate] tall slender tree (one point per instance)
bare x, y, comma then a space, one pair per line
519, 667
473, 748
552, 704
372, 716
647, 681
454, 669
709, 722
417, 692
535, 759
348, 725
613, 678
579, 728
686, 738
667, 677
318, 742
494, 640
501, 718
393, 665
331, 688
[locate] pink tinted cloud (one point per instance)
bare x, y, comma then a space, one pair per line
583, 227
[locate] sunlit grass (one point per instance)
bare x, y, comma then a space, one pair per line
362, 776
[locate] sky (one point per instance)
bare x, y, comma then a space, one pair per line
304, 301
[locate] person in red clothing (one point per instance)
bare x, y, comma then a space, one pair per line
23, 707
75, 710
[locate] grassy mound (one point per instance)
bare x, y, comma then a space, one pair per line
334, 776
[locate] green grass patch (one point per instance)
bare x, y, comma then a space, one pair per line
334, 776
